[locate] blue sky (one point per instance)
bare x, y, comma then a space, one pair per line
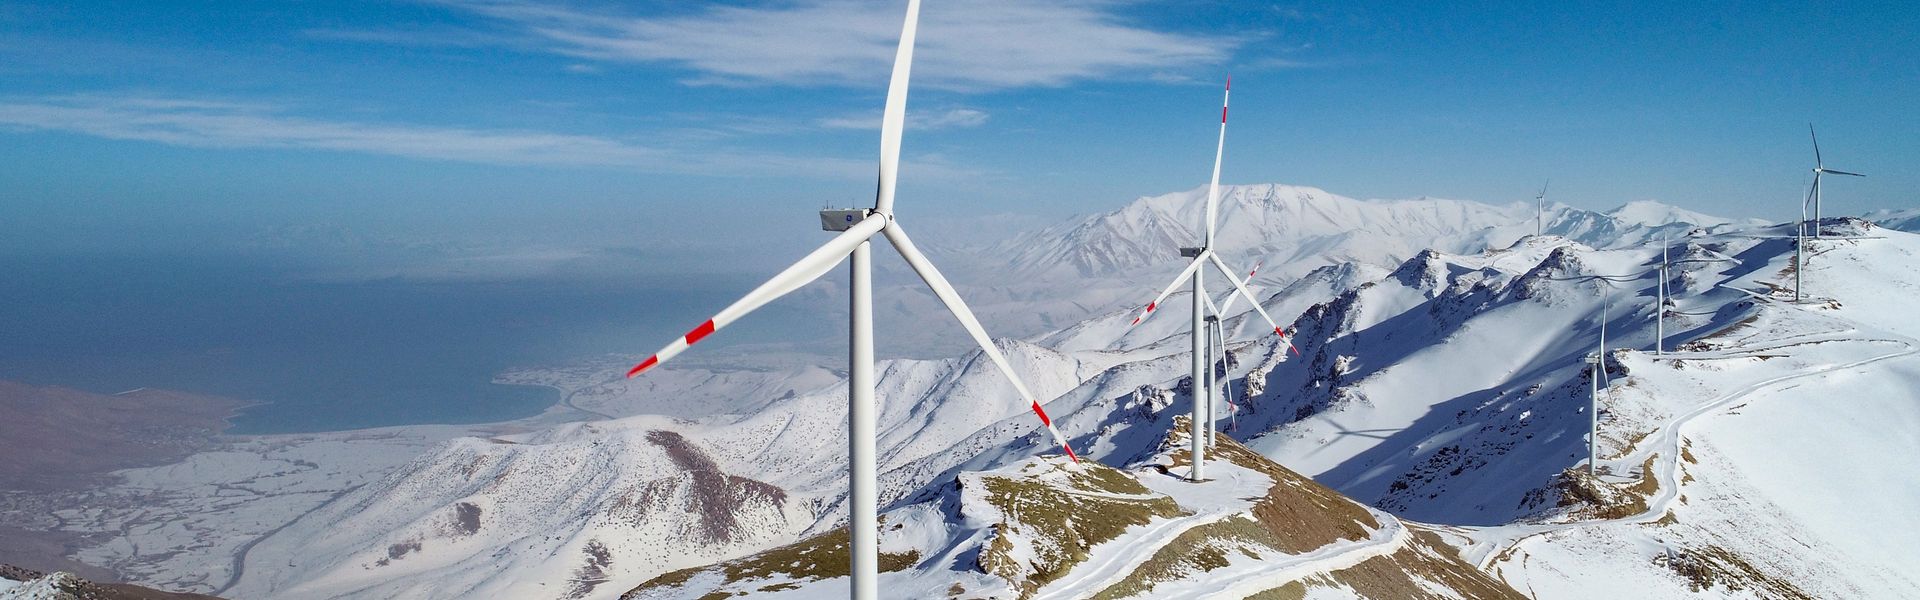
148, 124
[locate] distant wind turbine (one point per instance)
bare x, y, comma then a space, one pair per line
1660, 308
1814, 194
1226, 382
857, 227
1217, 353
1540, 210
1593, 411
1204, 254
1599, 362
1820, 168
1800, 247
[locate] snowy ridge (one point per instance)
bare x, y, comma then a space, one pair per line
1050, 529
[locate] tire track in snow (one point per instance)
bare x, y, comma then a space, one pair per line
1097, 575
1262, 576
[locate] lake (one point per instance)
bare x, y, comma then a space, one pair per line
326, 355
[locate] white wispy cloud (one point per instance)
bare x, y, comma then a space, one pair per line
924, 121
970, 46
217, 124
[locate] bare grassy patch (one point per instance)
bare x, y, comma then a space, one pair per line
823, 556
1055, 527
1592, 498
1710, 566
1298, 515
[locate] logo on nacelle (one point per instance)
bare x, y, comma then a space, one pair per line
849, 218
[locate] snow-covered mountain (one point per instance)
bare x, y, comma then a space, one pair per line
1296, 229
1905, 219
1447, 389
1037, 283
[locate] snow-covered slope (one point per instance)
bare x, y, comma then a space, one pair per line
626, 499
1455, 393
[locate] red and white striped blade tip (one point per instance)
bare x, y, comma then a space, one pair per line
1048, 423
643, 366
1288, 339
691, 338
1143, 314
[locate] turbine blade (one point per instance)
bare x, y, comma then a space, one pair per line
944, 291
1155, 304
894, 121
1227, 300
1225, 303
1816, 146
1242, 287
1841, 172
1219, 151
809, 268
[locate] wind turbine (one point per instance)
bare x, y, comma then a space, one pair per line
1800, 245
1540, 209
1820, 168
1226, 382
857, 228
1218, 330
1217, 354
1204, 254
1660, 308
1599, 365
1593, 411
1606, 306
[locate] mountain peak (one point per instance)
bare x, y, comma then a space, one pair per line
1653, 213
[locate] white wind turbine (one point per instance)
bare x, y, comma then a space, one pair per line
1540, 210
857, 227
1813, 197
1202, 390
1820, 168
1217, 353
1599, 362
1660, 308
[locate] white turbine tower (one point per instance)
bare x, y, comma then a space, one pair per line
857, 227
1606, 306
1599, 362
1660, 308
1201, 255
1800, 245
1820, 168
1593, 411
